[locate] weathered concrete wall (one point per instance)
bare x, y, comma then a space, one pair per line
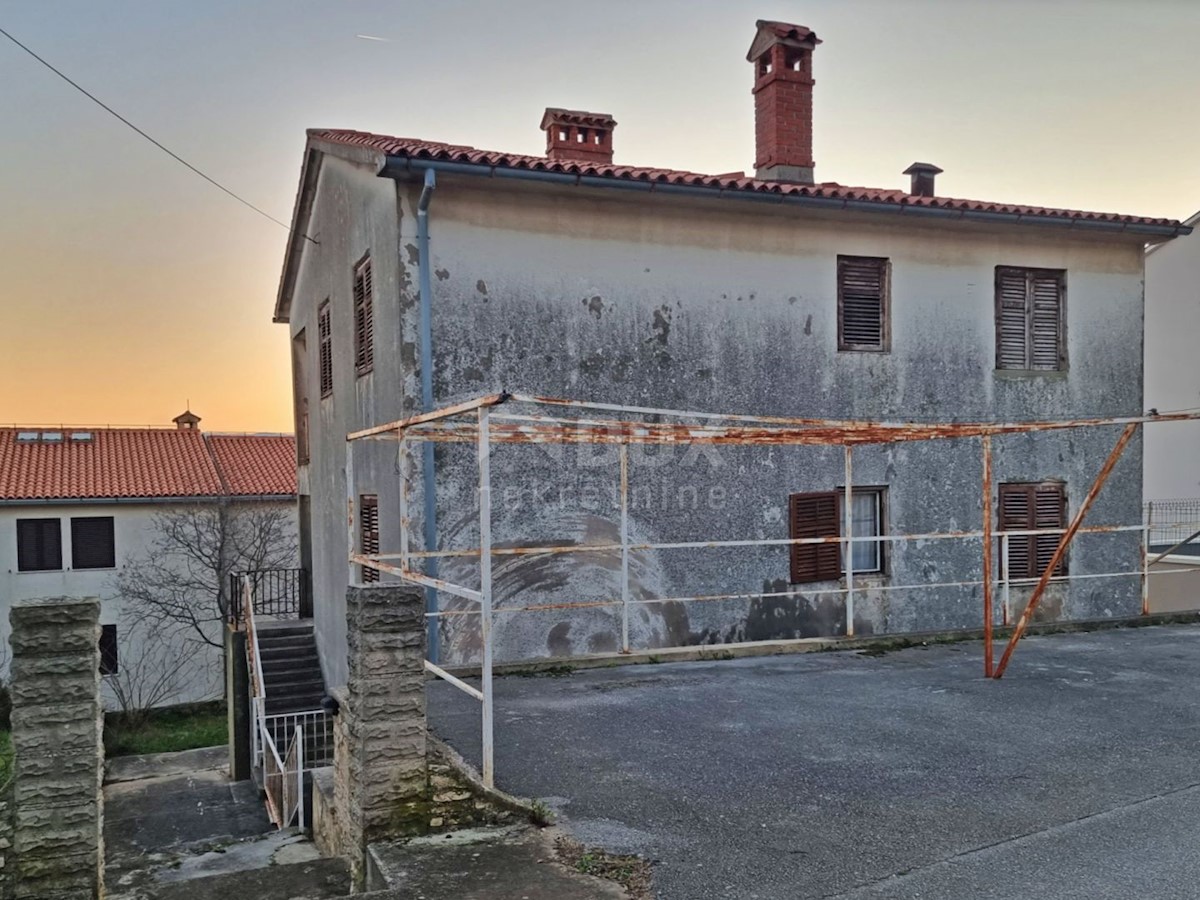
57, 723
664, 302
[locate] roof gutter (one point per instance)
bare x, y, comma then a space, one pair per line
149, 501
402, 165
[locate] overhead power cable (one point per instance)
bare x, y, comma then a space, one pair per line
171, 153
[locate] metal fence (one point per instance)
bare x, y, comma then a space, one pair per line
276, 593
487, 421
1172, 523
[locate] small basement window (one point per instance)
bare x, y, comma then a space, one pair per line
110, 663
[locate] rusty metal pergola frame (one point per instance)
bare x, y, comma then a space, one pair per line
487, 420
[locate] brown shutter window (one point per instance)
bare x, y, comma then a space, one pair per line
1031, 333
368, 509
812, 516
863, 292
364, 318
92, 543
325, 337
39, 545
1024, 507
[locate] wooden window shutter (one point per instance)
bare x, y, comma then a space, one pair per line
1030, 319
368, 508
811, 516
1028, 506
863, 301
364, 318
1047, 347
1049, 511
1011, 319
92, 543
325, 340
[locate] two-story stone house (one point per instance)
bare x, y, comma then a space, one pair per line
423, 273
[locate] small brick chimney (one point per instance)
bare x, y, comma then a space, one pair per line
922, 178
578, 135
783, 89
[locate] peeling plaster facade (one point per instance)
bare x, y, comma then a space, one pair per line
722, 306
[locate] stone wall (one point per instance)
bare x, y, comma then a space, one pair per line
381, 779
57, 728
6, 836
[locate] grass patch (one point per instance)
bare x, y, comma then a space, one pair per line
166, 730
630, 872
6, 757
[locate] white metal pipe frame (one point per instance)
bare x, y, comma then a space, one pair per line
486, 421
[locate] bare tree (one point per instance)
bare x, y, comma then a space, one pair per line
160, 661
182, 578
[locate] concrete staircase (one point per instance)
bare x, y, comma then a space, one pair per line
290, 667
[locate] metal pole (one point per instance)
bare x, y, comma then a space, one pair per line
485, 590
1063, 543
987, 555
848, 546
624, 452
300, 772
351, 543
1004, 564
402, 469
1145, 559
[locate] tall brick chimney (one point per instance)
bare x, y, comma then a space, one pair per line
783, 87
578, 135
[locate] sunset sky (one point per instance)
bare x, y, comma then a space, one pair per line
129, 286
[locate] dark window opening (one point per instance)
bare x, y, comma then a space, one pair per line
39, 545
368, 511
863, 295
92, 543
325, 337
364, 318
109, 661
1031, 321
1024, 507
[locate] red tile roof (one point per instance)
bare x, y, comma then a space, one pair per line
255, 464
737, 182
129, 463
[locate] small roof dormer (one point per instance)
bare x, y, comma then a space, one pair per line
187, 421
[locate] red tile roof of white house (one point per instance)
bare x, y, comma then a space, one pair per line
142, 463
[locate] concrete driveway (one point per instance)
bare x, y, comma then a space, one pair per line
904, 775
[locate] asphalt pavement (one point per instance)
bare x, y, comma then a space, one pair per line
903, 775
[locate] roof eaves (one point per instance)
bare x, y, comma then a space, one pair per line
749, 189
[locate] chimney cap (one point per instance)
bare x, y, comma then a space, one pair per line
770, 33
922, 168
555, 115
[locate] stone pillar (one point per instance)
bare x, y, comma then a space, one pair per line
237, 703
57, 730
381, 779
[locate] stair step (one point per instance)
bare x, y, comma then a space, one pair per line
300, 671
287, 705
299, 641
273, 653
291, 689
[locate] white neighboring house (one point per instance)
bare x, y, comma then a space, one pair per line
79, 505
1172, 455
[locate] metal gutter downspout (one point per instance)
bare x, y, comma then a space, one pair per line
429, 482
